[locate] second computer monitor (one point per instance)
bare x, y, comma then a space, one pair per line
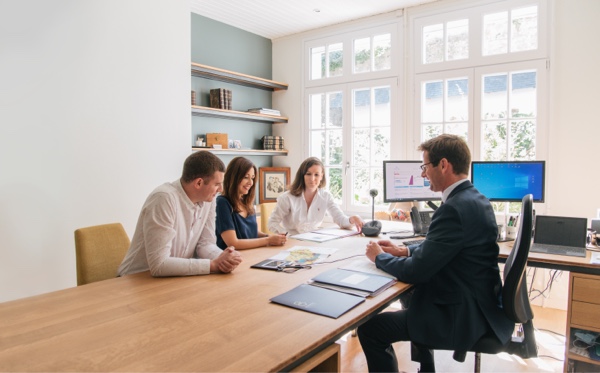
403, 183
509, 181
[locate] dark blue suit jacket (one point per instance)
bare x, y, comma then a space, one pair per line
455, 273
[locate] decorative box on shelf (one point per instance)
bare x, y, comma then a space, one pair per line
272, 143
217, 138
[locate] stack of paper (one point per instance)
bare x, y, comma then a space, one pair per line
353, 282
325, 234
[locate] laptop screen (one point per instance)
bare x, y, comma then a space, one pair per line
560, 230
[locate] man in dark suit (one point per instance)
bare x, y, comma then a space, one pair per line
457, 285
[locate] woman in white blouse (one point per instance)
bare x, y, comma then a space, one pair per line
302, 208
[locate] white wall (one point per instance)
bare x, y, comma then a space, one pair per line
94, 113
575, 127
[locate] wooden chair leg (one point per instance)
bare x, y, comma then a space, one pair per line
477, 362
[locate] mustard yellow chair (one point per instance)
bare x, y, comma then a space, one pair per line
99, 251
265, 211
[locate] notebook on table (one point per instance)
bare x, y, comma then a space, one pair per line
317, 300
560, 235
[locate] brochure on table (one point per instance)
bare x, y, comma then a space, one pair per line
325, 234
296, 255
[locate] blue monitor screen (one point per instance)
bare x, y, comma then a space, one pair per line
403, 183
509, 181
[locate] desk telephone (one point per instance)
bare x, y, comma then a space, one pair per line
420, 220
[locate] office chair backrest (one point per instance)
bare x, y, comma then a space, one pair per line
265, 211
99, 251
515, 299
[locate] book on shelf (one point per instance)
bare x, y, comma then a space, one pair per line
267, 111
221, 98
228, 99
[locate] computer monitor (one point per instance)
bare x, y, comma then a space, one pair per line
402, 182
509, 181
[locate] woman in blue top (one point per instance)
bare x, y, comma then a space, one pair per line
236, 219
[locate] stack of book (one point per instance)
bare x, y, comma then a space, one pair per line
262, 110
221, 98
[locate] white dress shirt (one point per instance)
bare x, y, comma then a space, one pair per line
292, 214
173, 236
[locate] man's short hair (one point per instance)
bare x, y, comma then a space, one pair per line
201, 164
453, 148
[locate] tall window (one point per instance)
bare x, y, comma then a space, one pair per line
350, 112
480, 74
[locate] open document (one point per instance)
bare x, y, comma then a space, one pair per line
325, 234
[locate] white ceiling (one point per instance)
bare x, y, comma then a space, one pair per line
277, 18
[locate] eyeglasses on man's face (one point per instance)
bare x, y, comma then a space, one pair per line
424, 166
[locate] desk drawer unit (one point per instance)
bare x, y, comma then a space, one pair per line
585, 314
586, 290
585, 306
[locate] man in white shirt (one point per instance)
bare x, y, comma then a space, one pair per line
175, 232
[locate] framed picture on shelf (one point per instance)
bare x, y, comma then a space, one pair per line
272, 182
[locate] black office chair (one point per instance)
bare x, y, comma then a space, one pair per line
515, 299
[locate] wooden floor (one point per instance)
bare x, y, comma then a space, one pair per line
550, 351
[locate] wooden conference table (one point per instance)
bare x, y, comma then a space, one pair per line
220, 322
199, 323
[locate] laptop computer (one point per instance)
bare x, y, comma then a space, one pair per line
560, 235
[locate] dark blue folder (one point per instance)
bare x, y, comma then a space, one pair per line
318, 300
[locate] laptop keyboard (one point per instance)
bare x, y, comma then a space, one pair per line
558, 250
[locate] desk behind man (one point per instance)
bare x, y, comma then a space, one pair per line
454, 270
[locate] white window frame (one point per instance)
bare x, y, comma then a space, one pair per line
475, 86
349, 81
475, 16
347, 39
475, 11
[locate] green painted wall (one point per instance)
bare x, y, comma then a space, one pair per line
226, 47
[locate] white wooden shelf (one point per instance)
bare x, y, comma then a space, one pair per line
237, 152
240, 115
